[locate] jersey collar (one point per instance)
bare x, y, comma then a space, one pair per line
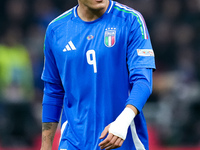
110, 7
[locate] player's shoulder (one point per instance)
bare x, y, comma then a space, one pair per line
126, 12
63, 18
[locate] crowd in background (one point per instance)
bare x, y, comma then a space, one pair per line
173, 108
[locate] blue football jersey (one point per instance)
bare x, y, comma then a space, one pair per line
92, 61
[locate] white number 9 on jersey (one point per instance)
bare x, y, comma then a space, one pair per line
91, 59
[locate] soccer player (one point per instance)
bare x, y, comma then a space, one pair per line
98, 73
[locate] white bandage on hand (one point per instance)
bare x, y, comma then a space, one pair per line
120, 126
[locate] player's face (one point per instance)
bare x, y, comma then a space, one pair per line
94, 4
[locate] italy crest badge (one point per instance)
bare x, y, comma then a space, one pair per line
110, 37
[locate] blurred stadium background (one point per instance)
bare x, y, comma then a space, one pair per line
172, 111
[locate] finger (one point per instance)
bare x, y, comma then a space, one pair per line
105, 132
111, 142
106, 141
108, 148
116, 144
121, 142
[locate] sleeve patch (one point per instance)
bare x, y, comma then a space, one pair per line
145, 52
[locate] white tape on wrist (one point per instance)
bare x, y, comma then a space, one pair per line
120, 126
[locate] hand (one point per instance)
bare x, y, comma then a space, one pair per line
111, 141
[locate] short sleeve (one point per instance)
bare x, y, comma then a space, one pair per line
50, 71
140, 53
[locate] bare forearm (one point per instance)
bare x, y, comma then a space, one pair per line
48, 132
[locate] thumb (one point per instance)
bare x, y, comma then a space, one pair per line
105, 132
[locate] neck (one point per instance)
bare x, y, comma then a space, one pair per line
90, 14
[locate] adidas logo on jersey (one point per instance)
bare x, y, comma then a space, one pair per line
70, 46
